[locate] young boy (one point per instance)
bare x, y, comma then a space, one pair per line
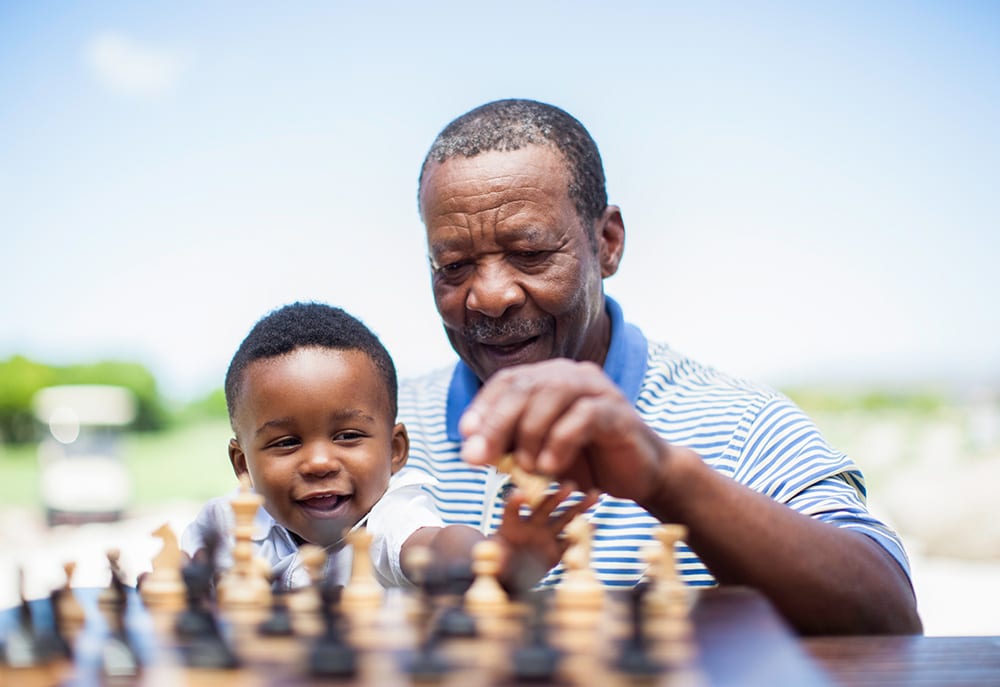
311, 395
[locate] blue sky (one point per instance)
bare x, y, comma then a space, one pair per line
809, 189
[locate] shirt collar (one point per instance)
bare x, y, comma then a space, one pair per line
625, 365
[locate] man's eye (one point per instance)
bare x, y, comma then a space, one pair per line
453, 271
530, 258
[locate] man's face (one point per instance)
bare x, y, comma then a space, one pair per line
516, 277
314, 433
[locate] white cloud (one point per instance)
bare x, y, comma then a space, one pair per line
130, 68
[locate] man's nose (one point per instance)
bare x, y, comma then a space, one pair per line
494, 289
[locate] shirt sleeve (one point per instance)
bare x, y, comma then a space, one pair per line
787, 458
405, 508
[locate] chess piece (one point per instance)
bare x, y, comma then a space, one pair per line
162, 588
202, 643
635, 658
330, 654
67, 610
362, 592
279, 622
533, 486
119, 659
580, 589
668, 595
197, 575
244, 586
486, 593
22, 648
536, 660
307, 600
426, 663
454, 619
107, 600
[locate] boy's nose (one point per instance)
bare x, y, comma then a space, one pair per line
321, 461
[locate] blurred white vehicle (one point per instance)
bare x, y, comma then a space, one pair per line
83, 477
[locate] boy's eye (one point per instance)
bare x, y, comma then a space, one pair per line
348, 435
285, 442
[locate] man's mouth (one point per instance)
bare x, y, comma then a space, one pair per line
506, 348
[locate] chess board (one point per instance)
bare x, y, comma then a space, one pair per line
730, 637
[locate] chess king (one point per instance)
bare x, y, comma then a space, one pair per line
311, 394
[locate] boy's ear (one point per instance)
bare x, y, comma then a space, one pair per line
238, 459
400, 447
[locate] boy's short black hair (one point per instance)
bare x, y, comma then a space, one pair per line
308, 324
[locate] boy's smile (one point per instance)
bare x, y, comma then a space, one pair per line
314, 432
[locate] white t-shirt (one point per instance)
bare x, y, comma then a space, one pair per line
403, 509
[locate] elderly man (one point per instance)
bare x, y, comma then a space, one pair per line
520, 238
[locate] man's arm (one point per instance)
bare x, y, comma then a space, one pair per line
569, 420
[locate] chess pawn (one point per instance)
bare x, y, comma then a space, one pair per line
70, 613
362, 592
163, 587
496, 615
418, 561
110, 597
486, 595
305, 604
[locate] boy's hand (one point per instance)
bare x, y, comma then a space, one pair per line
532, 545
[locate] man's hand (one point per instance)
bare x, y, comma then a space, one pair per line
569, 420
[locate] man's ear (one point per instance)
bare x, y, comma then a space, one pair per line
238, 459
609, 231
400, 447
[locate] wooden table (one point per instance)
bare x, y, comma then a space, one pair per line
908, 660
740, 641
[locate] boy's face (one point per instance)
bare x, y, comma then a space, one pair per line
314, 433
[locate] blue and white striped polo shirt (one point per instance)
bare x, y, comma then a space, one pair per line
747, 431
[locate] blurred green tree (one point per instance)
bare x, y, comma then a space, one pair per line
20, 378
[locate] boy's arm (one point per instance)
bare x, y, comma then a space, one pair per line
448, 545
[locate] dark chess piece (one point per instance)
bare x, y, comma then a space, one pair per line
331, 655
454, 620
635, 658
203, 645
196, 618
279, 622
55, 638
119, 659
426, 663
536, 660
23, 648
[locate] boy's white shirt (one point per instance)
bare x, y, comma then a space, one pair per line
403, 509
